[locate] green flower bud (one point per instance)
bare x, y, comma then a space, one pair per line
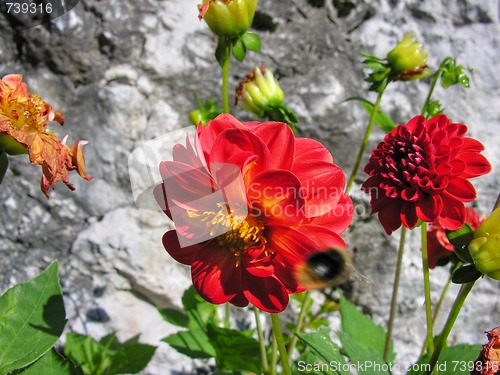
260, 92
408, 61
228, 18
485, 247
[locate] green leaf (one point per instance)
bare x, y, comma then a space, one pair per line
193, 343
239, 50
251, 41
4, 165
52, 363
129, 357
32, 318
382, 120
175, 317
320, 343
466, 274
453, 360
235, 351
198, 311
93, 357
222, 51
462, 236
361, 330
308, 363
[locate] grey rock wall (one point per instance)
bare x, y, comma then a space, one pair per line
124, 72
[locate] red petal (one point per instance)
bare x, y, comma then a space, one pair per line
208, 134
452, 216
161, 199
280, 141
239, 300
184, 255
267, 293
324, 238
435, 250
338, 219
471, 144
309, 149
390, 216
461, 189
429, 208
476, 164
258, 262
215, 275
277, 195
409, 215
323, 185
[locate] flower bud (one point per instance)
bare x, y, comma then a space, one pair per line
260, 92
485, 247
228, 18
408, 61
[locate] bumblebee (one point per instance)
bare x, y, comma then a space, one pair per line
325, 268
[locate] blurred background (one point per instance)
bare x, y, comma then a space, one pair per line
124, 72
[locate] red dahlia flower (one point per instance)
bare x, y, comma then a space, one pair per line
420, 172
250, 202
438, 246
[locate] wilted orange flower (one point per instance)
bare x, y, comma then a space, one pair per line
488, 362
25, 117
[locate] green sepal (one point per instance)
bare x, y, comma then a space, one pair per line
452, 74
283, 114
239, 50
433, 108
4, 165
251, 41
222, 51
466, 274
462, 236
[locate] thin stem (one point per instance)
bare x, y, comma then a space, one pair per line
433, 84
364, 142
227, 315
394, 299
452, 317
274, 355
300, 323
427, 289
262, 344
225, 80
281, 344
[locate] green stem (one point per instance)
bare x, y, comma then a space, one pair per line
262, 344
227, 315
300, 323
225, 79
433, 84
452, 317
364, 142
394, 299
281, 344
427, 289
274, 356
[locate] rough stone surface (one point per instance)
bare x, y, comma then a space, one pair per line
124, 72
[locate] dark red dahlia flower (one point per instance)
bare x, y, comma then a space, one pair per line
438, 246
250, 202
420, 172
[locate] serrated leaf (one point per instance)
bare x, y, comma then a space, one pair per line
235, 350
198, 311
32, 318
175, 317
239, 50
129, 357
193, 343
382, 120
320, 343
466, 274
52, 363
222, 51
362, 330
4, 165
308, 363
251, 41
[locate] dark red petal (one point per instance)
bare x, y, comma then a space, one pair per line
277, 194
258, 262
429, 208
476, 164
239, 300
184, 255
215, 275
461, 189
323, 185
161, 199
266, 293
409, 215
452, 216
280, 141
309, 149
390, 215
414, 122
435, 250
338, 219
